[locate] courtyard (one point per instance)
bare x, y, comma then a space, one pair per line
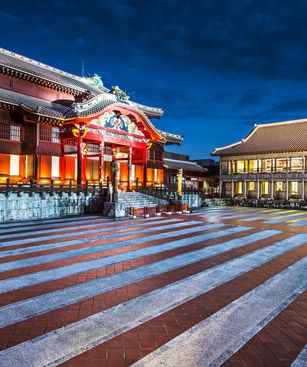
219, 286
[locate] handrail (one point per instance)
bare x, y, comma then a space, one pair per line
51, 188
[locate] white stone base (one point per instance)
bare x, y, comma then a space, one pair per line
25, 207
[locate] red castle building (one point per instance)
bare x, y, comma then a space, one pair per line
58, 126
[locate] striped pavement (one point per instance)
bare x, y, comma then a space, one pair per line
221, 286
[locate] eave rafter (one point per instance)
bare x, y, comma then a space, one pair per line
42, 81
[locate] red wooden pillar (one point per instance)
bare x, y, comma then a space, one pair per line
129, 168
145, 167
101, 161
79, 160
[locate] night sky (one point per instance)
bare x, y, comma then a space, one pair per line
215, 67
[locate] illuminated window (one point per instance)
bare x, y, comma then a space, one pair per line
14, 165
15, 132
266, 165
239, 188
279, 186
155, 175
240, 167
252, 165
132, 172
10, 132
251, 186
50, 133
281, 165
55, 166
264, 188
296, 164
294, 187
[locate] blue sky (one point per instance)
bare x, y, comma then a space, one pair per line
215, 67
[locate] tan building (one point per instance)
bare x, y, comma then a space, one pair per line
270, 163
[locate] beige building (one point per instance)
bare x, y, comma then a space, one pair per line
270, 163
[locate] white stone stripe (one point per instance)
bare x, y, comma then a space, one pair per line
299, 224
285, 219
23, 228
54, 220
301, 360
234, 216
62, 344
58, 273
76, 234
54, 228
32, 307
87, 241
214, 340
38, 260
77, 228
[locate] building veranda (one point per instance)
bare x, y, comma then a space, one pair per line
268, 164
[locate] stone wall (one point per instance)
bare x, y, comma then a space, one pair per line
46, 206
194, 200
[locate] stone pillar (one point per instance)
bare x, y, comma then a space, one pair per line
258, 189
101, 161
287, 189
115, 179
303, 189
232, 189
244, 188
272, 189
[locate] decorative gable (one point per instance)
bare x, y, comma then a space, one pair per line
117, 121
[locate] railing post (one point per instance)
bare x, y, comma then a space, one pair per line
61, 190
31, 187
51, 187
69, 188
19, 189
86, 188
7, 187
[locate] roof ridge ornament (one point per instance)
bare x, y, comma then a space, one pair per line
120, 94
94, 81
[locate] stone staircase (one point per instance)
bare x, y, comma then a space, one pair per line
133, 199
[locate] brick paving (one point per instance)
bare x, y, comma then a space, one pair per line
234, 233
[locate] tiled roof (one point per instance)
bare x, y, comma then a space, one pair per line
185, 165
34, 105
50, 74
70, 109
172, 138
35, 68
270, 138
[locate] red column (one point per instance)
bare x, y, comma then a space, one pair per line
145, 167
129, 168
79, 160
101, 161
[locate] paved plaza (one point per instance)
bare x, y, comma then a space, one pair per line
219, 286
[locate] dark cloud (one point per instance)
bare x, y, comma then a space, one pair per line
294, 105
251, 97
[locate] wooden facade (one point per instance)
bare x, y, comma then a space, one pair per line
57, 126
